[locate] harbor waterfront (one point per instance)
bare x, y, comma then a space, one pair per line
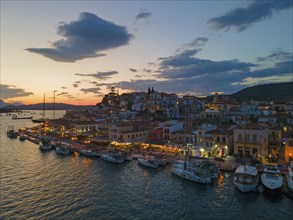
45, 185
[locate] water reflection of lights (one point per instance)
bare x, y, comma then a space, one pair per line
86, 161
221, 183
145, 173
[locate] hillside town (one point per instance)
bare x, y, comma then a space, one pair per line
258, 130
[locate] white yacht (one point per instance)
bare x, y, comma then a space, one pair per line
113, 157
198, 175
204, 165
272, 179
89, 152
151, 163
290, 177
246, 178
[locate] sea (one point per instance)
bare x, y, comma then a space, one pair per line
38, 185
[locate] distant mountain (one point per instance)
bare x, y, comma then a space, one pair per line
40, 106
274, 92
4, 104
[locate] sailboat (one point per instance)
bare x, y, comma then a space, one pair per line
43, 119
246, 177
198, 174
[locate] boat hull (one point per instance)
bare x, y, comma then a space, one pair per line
147, 163
290, 177
89, 153
272, 185
245, 188
191, 175
62, 151
112, 159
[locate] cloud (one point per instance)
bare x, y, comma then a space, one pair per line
186, 73
94, 90
278, 68
197, 43
185, 64
243, 17
143, 15
85, 38
250, 81
10, 91
100, 75
276, 55
132, 70
62, 94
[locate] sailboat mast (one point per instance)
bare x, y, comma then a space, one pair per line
44, 107
186, 139
54, 104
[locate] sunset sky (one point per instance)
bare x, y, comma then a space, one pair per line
81, 49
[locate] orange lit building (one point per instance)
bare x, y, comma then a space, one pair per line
288, 140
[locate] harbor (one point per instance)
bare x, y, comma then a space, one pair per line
90, 185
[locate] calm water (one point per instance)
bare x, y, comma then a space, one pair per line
36, 185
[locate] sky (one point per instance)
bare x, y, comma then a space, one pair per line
79, 50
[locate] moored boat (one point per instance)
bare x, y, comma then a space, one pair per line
113, 157
40, 120
246, 178
290, 177
11, 133
204, 165
15, 117
148, 162
196, 175
22, 137
89, 152
272, 179
45, 145
62, 148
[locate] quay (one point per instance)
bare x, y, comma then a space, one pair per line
227, 164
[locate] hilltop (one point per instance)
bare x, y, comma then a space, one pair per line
266, 92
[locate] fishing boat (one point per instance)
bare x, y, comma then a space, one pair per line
272, 180
115, 157
11, 133
62, 148
290, 177
246, 178
15, 117
45, 145
22, 137
148, 162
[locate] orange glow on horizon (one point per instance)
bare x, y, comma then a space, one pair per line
37, 100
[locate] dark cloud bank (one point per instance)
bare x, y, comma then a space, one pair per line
85, 38
243, 17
